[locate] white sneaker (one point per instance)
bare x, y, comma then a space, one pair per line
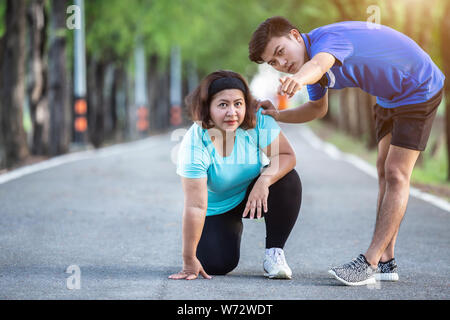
275, 264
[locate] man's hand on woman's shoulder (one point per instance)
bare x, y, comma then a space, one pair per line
269, 108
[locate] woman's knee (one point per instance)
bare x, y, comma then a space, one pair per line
220, 266
290, 185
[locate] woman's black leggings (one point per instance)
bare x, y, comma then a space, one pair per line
219, 246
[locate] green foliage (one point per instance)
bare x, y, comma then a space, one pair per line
110, 28
2, 17
433, 170
214, 34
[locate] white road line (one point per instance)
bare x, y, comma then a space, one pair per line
331, 150
77, 156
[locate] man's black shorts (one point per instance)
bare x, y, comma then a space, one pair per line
410, 125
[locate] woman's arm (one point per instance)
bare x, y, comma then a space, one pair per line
194, 212
282, 161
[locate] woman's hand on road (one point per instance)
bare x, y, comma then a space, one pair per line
191, 269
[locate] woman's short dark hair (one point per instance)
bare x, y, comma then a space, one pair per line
272, 27
198, 102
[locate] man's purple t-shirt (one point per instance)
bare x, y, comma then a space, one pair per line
377, 59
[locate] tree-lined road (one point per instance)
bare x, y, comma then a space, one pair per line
117, 216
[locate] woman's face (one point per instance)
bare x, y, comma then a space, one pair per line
227, 109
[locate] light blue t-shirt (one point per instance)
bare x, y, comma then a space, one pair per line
228, 177
377, 59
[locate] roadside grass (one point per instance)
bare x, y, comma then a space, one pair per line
429, 174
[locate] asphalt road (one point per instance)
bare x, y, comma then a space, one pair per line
116, 215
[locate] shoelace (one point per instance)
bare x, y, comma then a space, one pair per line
355, 263
277, 255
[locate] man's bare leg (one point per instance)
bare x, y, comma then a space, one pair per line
383, 148
398, 168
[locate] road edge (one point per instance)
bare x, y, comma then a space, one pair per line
73, 157
331, 150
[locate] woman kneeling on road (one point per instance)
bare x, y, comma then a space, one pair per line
223, 162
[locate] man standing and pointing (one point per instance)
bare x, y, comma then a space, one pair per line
384, 63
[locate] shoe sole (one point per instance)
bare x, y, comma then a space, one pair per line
371, 280
279, 275
386, 276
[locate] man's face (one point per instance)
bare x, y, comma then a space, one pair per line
287, 53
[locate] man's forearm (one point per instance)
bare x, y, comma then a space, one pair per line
304, 113
309, 73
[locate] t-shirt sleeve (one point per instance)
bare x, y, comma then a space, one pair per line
267, 129
333, 43
315, 91
193, 157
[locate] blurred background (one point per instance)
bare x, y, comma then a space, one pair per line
76, 75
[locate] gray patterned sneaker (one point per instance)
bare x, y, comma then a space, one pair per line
358, 272
387, 271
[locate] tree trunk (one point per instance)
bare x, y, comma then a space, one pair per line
445, 50
354, 112
120, 103
12, 88
409, 20
108, 101
96, 70
58, 95
36, 89
115, 88
390, 14
90, 94
163, 100
342, 9
333, 113
2, 142
152, 84
344, 120
328, 116
367, 130
370, 121
158, 95
361, 103
447, 129
425, 32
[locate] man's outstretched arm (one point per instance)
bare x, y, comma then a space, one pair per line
306, 112
310, 73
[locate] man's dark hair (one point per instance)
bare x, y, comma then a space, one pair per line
272, 27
